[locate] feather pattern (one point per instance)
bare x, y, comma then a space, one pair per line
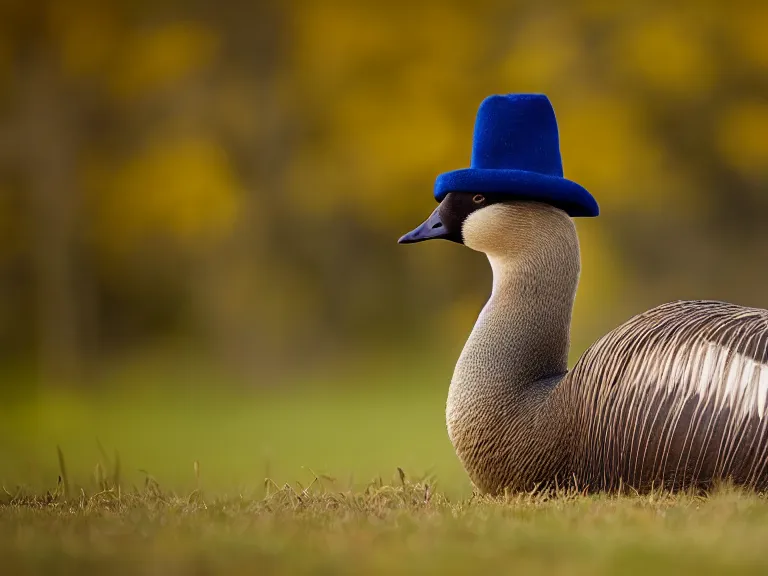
674, 397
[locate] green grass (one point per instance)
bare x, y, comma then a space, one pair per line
334, 502
382, 530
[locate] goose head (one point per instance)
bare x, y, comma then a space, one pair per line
495, 224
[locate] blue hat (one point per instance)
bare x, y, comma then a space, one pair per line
516, 151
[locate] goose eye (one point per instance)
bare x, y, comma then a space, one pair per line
478, 198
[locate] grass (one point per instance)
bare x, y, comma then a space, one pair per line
185, 493
381, 529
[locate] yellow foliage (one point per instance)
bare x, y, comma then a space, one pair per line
362, 104
601, 10
748, 33
87, 33
421, 136
377, 150
742, 137
184, 189
668, 52
306, 195
159, 57
383, 131
329, 41
537, 64
606, 149
336, 39
453, 37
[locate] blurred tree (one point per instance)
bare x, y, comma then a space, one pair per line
233, 177
73, 65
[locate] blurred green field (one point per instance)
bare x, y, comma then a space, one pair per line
356, 427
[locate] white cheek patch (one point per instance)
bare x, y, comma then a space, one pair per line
485, 229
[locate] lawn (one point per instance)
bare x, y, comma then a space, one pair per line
166, 472
381, 530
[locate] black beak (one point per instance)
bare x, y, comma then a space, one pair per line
431, 229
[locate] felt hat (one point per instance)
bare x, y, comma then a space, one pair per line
516, 152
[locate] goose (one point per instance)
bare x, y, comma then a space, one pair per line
675, 398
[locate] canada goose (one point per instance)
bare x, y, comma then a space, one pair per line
674, 398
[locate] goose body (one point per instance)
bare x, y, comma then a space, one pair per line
676, 397
681, 392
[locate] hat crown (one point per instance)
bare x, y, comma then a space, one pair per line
516, 152
517, 132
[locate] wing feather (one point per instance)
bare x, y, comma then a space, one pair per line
674, 395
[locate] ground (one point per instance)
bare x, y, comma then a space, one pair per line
350, 478
382, 530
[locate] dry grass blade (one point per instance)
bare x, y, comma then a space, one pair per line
63, 471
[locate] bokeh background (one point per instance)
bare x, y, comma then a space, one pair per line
199, 203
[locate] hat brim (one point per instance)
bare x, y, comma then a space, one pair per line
565, 194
